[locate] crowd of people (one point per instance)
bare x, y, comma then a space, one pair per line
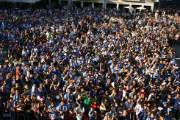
88, 64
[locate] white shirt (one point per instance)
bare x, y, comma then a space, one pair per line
138, 109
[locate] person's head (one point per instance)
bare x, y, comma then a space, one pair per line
52, 104
152, 115
177, 96
17, 92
